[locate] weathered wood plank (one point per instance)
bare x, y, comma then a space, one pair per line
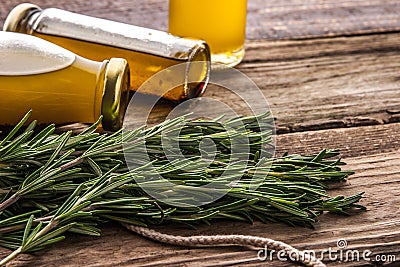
266, 19
352, 142
315, 84
377, 229
327, 83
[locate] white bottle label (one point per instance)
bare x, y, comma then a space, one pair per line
22, 54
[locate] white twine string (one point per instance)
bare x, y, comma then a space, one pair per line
212, 240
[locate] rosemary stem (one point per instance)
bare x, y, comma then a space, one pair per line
11, 256
45, 230
71, 163
43, 219
13, 228
11, 200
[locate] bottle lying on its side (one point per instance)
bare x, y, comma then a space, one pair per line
58, 85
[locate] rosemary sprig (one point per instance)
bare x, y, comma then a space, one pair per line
52, 183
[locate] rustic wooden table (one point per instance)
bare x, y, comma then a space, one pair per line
330, 70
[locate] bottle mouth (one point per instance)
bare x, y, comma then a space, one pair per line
198, 71
116, 94
17, 19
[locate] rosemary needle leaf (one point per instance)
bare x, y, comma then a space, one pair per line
27, 230
16, 128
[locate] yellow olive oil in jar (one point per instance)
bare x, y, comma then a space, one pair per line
59, 86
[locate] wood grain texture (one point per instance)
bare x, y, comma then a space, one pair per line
378, 229
352, 142
272, 19
310, 84
327, 83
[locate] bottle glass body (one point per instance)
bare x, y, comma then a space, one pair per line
57, 85
222, 26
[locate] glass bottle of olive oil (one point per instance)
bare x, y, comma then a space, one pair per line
57, 85
147, 51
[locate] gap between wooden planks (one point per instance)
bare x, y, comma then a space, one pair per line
378, 229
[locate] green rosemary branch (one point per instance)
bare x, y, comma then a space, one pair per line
53, 183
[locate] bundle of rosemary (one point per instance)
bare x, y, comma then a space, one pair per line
56, 183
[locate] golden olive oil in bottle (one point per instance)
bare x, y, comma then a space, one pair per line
57, 85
